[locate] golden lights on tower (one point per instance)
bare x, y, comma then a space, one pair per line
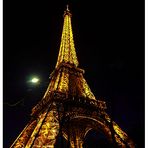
67, 52
67, 80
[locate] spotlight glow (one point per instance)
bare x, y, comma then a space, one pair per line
35, 80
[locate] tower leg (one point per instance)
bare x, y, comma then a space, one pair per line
76, 144
76, 138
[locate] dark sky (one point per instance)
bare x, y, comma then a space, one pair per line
109, 41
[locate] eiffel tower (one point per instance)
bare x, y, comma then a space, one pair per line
69, 108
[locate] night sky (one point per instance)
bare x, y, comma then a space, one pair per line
109, 41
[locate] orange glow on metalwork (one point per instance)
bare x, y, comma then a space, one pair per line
67, 51
56, 81
63, 85
118, 130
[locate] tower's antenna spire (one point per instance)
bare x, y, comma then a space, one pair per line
67, 7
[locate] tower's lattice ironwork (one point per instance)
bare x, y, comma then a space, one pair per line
68, 107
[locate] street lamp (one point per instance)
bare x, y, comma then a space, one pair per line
35, 80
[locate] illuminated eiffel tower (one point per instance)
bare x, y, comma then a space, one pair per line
69, 108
